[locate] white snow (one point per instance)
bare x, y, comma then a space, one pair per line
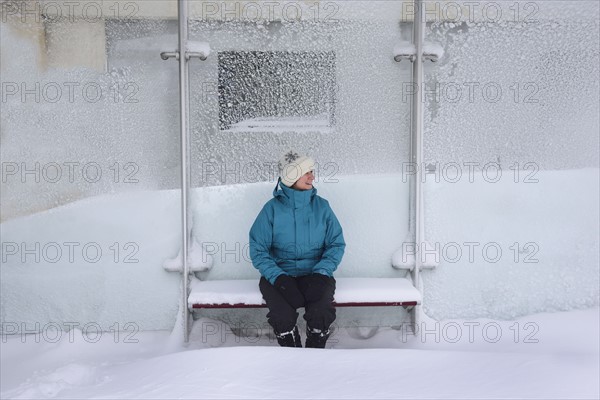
540, 54
199, 260
134, 233
404, 257
351, 290
547, 231
551, 355
433, 49
317, 123
235, 291
198, 47
408, 48
404, 48
348, 290
559, 214
542, 356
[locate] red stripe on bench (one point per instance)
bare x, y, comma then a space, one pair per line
376, 304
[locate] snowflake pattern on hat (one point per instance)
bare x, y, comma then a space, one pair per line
287, 159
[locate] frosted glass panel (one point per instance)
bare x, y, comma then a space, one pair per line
345, 107
325, 85
90, 161
511, 141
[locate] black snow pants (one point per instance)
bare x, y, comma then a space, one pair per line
319, 311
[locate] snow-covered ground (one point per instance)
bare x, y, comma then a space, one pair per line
550, 355
520, 352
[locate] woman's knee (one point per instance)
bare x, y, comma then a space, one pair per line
317, 288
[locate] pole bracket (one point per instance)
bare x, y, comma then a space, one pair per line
165, 55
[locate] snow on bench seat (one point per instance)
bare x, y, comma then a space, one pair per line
350, 292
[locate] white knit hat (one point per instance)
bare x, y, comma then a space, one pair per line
292, 166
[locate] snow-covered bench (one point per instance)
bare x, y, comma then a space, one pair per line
374, 271
350, 292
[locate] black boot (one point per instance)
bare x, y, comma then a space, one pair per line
289, 339
316, 338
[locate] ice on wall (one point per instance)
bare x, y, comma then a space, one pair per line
71, 137
518, 90
136, 124
96, 262
277, 85
556, 266
510, 101
82, 132
341, 70
224, 214
132, 134
512, 248
502, 249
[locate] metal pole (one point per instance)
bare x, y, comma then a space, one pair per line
417, 134
184, 108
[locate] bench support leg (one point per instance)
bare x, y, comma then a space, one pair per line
414, 319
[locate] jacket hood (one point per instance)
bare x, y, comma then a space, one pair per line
292, 197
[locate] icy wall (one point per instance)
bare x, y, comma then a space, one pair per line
511, 248
369, 129
75, 132
123, 122
94, 263
511, 100
516, 94
76, 129
505, 250
521, 90
374, 226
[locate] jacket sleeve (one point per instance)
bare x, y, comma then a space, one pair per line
334, 247
261, 240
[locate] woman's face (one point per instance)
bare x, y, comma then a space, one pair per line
305, 182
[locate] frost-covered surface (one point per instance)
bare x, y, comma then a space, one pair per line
235, 291
366, 130
405, 257
404, 48
223, 216
199, 47
517, 90
543, 51
347, 290
97, 260
433, 49
102, 129
318, 123
539, 356
198, 260
546, 233
554, 221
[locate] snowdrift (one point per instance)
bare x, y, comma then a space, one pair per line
99, 260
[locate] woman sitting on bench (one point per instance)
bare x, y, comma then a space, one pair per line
296, 242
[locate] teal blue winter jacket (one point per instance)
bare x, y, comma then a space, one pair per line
296, 233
